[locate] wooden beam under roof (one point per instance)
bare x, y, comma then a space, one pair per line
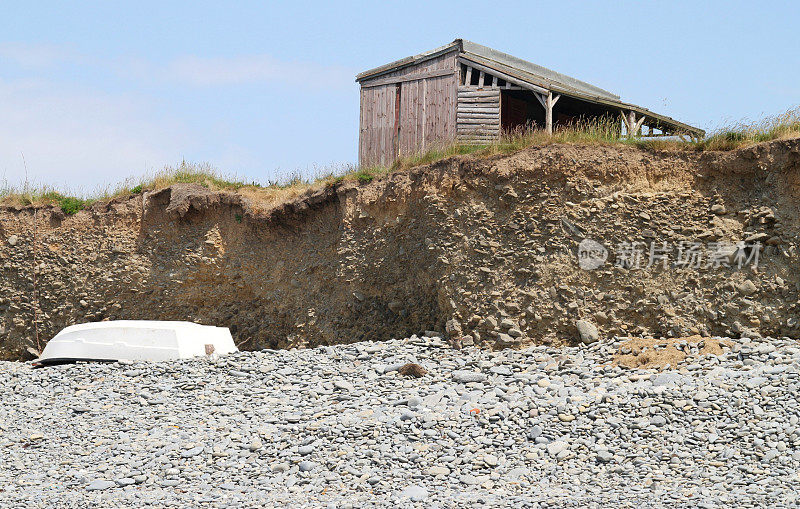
509, 79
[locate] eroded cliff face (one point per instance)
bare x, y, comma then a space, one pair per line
483, 250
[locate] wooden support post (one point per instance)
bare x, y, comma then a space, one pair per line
480, 79
548, 114
548, 101
637, 129
551, 101
626, 120
631, 124
468, 77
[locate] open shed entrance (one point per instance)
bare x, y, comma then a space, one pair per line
521, 110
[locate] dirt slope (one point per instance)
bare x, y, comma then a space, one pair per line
485, 249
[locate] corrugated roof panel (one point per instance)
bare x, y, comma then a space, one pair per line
535, 70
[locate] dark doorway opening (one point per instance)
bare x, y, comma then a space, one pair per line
519, 110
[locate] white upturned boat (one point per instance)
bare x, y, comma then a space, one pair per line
135, 340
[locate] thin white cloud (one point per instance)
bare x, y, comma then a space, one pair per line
34, 56
79, 140
191, 70
77, 136
256, 69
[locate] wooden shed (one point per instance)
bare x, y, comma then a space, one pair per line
468, 92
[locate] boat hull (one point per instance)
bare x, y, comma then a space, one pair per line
136, 340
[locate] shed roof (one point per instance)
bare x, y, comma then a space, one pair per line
536, 76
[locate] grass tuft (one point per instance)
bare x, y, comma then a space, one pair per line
43, 196
71, 205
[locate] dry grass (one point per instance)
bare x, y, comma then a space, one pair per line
604, 131
777, 127
263, 196
275, 191
42, 195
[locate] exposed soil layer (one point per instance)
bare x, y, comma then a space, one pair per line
482, 250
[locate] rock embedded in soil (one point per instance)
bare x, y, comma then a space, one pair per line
718, 209
587, 331
747, 287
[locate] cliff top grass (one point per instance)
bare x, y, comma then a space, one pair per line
604, 132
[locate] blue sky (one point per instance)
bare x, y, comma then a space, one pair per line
93, 93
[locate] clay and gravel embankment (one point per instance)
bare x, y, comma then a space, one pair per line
481, 250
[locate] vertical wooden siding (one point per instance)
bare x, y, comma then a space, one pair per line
376, 133
427, 112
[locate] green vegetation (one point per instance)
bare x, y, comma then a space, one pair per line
187, 173
596, 132
70, 204
783, 126
367, 175
28, 196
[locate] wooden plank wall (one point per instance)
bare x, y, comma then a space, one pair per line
478, 114
376, 125
427, 111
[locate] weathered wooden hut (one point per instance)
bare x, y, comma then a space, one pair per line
468, 92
